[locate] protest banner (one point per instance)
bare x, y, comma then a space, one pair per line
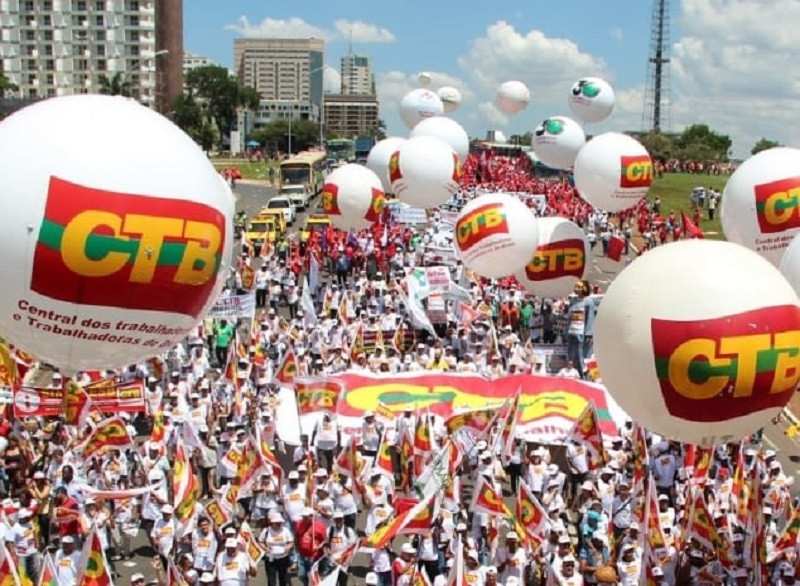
234, 306
107, 396
548, 406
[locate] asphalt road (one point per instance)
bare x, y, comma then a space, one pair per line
250, 198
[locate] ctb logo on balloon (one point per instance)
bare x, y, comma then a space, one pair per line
99, 247
329, 200
394, 167
564, 258
485, 221
778, 205
750, 370
376, 205
637, 171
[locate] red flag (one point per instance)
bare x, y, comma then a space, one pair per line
690, 228
531, 515
586, 430
487, 500
288, 369
616, 246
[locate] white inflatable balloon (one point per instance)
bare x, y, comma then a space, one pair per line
424, 172
560, 258
495, 234
557, 140
513, 97
790, 264
451, 98
110, 255
353, 197
703, 369
419, 104
761, 202
424, 78
378, 159
591, 99
448, 131
613, 172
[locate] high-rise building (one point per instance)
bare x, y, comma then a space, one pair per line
62, 47
349, 116
357, 79
286, 72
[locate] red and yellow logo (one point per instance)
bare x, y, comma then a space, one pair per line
778, 205
376, 205
483, 222
565, 258
330, 199
458, 171
718, 369
636, 171
99, 247
394, 167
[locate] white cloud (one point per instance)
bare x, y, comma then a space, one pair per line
362, 32
735, 69
291, 28
297, 28
331, 80
492, 114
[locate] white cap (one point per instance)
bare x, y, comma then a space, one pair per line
167, 509
587, 485
408, 548
231, 542
568, 559
207, 578
512, 535
371, 578
308, 512
68, 539
472, 554
737, 537
657, 572
321, 473
136, 577
293, 475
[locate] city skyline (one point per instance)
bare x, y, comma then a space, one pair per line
726, 55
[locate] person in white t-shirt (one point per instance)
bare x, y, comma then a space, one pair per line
233, 566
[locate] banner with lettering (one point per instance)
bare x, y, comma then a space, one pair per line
107, 395
234, 306
548, 406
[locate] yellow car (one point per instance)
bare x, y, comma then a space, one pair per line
262, 227
277, 215
314, 223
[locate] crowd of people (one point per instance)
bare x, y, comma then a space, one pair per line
635, 509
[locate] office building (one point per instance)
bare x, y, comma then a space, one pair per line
357, 78
63, 47
349, 116
193, 61
286, 72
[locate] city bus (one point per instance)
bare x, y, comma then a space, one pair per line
302, 176
340, 150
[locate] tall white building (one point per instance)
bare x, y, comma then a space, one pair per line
357, 79
286, 72
62, 47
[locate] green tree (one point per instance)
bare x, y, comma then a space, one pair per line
699, 143
660, 146
521, 139
764, 144
117, 85
189, 117
305, 134
6, 85
221, 94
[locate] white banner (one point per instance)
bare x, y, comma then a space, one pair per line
234, 306
412, 216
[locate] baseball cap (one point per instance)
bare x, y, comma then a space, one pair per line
371, 579
137, 577
231, 542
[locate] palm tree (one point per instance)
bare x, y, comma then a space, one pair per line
118, 85
6, 85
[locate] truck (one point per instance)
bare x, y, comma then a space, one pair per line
363, 146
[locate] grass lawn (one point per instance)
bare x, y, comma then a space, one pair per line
249, 170
674, 190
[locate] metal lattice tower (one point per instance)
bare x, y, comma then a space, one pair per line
657, 87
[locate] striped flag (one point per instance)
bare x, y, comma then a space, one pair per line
109, 433
76, 403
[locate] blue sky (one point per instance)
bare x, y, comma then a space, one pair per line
719, 48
